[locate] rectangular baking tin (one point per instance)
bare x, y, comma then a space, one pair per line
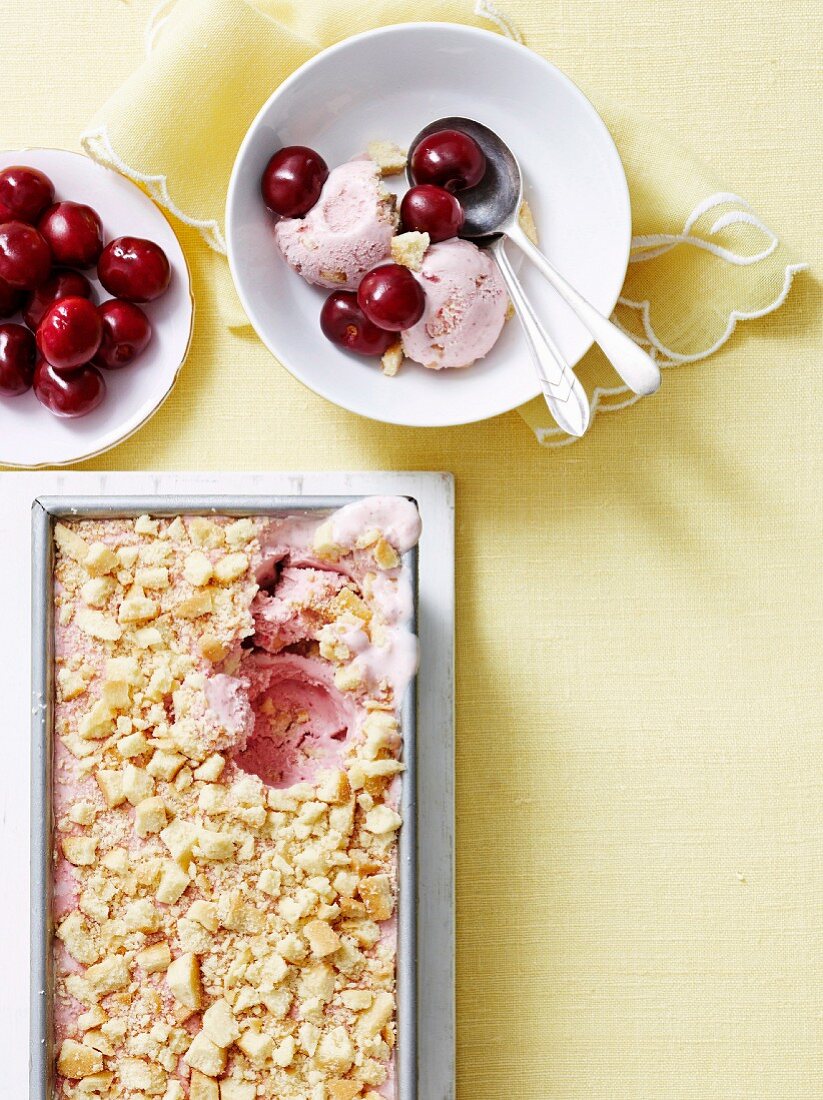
47, 510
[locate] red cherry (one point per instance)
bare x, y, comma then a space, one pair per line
432, 210
134, 269
391, 297
17, 356
25, 260
24, 194
70, 333
62, 284
10, 299
68, 395
292, 181
74, 234
126, 332
344, 323
448, 158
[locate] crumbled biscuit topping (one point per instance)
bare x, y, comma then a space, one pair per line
392, 359
389, 158
216, 938
409, 249
527, 222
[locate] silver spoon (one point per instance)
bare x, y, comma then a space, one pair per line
491, 213
562, 389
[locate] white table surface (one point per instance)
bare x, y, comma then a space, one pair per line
435, 495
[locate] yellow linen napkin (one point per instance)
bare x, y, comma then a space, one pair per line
700, 260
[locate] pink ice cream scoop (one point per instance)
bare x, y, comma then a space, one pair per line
346, 232
466, 305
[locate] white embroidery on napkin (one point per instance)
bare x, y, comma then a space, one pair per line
489, 12
97, 145
648, 248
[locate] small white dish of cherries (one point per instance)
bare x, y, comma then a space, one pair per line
80, 302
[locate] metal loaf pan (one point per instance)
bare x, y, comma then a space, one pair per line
45, 512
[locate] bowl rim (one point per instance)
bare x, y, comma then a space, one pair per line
128, 434
460, 29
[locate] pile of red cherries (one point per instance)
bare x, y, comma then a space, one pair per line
389, 298
66, 338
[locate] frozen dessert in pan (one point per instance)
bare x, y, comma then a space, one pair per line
226, 793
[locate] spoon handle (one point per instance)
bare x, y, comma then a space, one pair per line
637, 369
562, 390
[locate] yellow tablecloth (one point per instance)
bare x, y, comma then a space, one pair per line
640, 883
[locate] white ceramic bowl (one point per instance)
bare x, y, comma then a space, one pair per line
388, 84
29, 434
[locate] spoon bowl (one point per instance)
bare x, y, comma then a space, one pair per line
499, 195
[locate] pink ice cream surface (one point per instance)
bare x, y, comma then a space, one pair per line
397, 517
290, 614
228, 703
302, 723
466, 305
346, 232
278, 713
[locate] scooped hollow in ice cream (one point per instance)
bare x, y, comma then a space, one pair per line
302, 723
346, 232
466, 305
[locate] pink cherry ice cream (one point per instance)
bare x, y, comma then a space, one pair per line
343, 243
346, 232
227, 721
466, 305
302, 722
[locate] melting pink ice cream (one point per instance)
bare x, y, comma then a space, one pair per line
466, 305
228, 703
345, 233
281, 709
289, 614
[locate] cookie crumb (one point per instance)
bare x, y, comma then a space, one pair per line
527, 222
392, 359
389, 158
409, 249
